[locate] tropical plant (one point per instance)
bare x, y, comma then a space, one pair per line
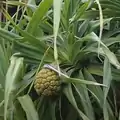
78, 42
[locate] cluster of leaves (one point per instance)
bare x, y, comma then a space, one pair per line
81, 38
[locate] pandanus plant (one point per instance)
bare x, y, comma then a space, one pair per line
62, 60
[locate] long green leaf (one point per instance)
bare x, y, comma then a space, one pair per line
104, 50
70, 97
85, 99
27, 36
99, 93
38, 16
107, 77
57, 13
28, 107
80, 11
96, 69
13, 73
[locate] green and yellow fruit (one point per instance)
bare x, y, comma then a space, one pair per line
47, 82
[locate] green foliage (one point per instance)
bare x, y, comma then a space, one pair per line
80, 39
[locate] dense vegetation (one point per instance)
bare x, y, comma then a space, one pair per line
79, 39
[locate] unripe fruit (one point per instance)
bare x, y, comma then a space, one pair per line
47, 82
